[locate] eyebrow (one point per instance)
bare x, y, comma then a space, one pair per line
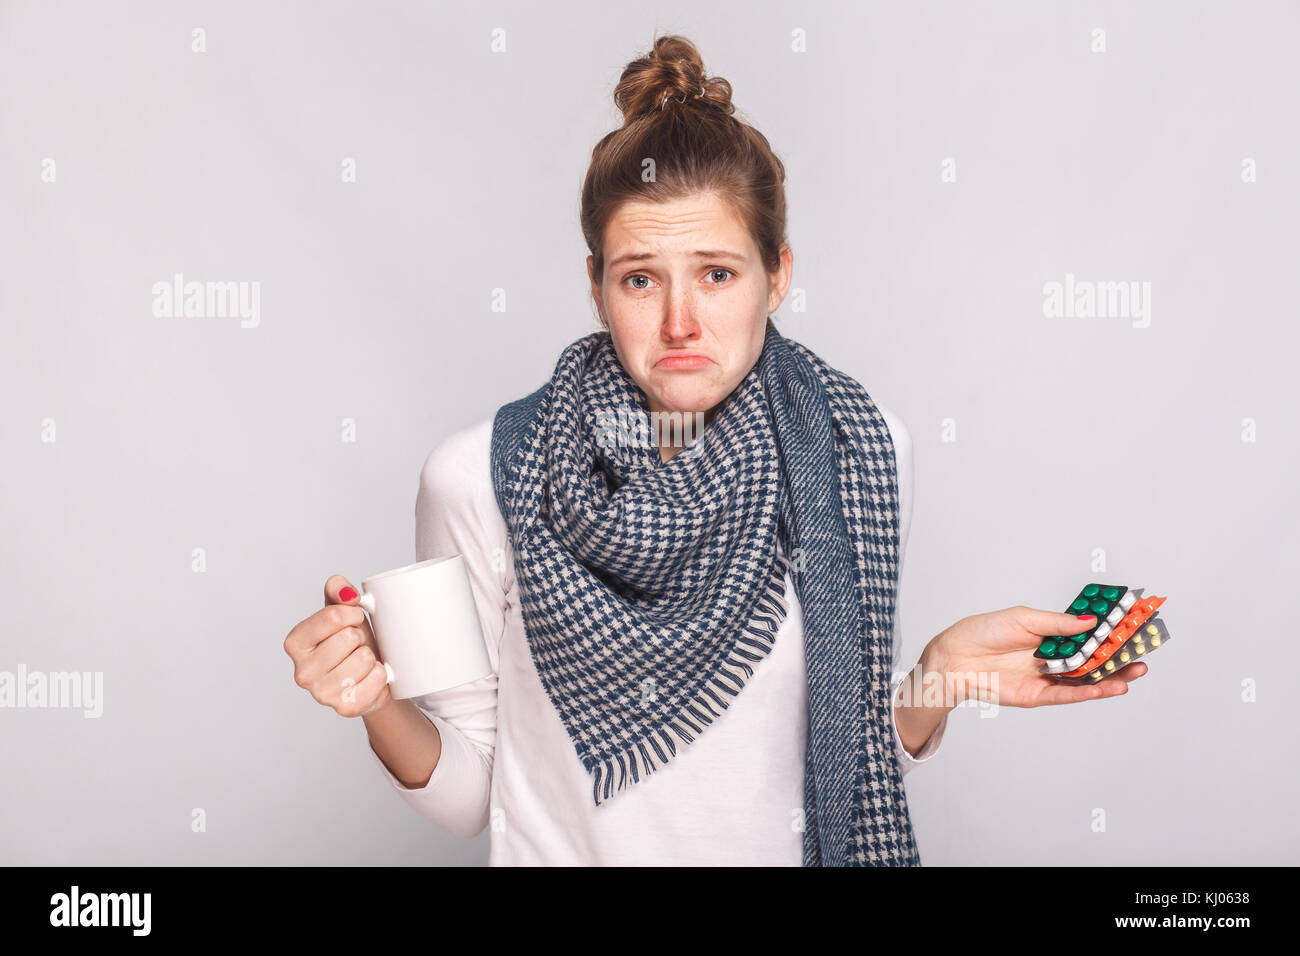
697, 254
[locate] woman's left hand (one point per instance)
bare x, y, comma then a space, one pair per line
1002, 643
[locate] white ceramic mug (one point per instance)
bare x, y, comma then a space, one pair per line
426, 625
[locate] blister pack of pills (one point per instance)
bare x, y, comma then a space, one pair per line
1145, 639
1126, 628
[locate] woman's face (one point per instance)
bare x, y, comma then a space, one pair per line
686, 299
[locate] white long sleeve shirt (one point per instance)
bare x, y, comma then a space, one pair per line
734, 796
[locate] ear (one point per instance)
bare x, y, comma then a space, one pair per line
778, 282
595, 290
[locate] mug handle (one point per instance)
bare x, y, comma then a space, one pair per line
367, 604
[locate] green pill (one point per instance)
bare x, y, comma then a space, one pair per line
1100, 607
1047, 648
1068, 648
1110, 594
1080, 604
1091, 590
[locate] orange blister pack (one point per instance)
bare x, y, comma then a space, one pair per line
1135, 618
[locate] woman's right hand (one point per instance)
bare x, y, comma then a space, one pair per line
335, 657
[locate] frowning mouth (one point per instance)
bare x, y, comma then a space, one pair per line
683, 360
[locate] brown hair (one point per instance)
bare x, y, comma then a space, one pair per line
683, 121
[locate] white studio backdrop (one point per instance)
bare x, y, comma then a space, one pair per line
393, 187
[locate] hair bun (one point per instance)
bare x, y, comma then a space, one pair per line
672, 72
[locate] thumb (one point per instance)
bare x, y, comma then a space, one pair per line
338, 590
1045, 623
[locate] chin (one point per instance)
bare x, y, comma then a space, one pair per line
689, 400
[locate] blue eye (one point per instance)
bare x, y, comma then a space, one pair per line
712, 272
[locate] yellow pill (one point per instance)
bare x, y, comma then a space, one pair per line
1123, 657
1140, 650
1096, 675
1152, 629
1155, 641
1110, 665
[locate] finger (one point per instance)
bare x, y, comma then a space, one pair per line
1077, 693
379, 676
1046, 623
1128, 673
338, 590
307, 633
338, 686
330, 653
367, 694
1112, 685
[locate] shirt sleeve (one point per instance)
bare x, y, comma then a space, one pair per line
452, 516
903, 458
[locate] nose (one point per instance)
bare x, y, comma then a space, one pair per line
678, 323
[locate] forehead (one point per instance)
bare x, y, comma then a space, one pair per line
679, 225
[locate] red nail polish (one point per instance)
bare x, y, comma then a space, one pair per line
1086, 617
347, 594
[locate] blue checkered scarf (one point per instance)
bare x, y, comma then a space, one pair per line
650, 590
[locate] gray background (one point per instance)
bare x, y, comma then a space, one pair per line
1072, 434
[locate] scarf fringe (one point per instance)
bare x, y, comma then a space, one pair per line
759, 634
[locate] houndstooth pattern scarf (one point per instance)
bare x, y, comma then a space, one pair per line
650, 590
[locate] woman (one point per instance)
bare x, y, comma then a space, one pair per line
693, 642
